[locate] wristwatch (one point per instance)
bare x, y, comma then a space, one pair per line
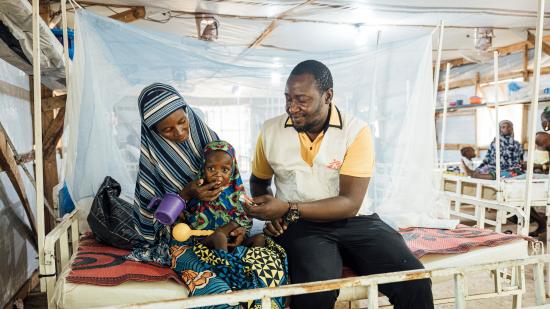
293, 214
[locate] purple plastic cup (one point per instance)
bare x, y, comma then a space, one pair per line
169, 208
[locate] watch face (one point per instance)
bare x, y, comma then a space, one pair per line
292, 216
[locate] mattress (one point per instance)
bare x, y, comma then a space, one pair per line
70, 295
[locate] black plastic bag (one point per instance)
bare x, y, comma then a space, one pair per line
111, 218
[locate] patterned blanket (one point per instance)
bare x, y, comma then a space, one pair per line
423, 241
99, 264
103, 265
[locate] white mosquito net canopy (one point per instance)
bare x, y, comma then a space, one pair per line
235, 90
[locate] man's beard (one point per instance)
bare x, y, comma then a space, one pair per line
305, 128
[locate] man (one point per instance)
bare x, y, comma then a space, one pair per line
322, 161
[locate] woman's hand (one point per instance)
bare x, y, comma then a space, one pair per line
196, 189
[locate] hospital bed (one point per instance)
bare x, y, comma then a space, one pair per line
506, 199
63, 294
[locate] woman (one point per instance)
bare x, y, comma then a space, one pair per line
172, 138
511, 156
172, 141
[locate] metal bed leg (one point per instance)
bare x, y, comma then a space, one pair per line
373, 296
539, 283
460, 291
517, 300
518, 280
498, 282
266, 302
500, 220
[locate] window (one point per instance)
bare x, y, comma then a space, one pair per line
232, 123
485, 122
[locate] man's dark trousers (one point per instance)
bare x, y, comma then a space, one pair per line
316, 251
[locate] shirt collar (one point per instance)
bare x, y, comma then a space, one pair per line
335, 118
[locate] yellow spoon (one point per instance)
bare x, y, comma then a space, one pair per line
182, 232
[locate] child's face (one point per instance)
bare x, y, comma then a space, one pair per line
218, 167
470, 153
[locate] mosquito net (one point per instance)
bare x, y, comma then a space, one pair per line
235, 90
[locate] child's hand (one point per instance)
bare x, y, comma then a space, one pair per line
238, 240
228, 228
246, 200
233, 231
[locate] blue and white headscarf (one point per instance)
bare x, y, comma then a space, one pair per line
511, 152
165, 166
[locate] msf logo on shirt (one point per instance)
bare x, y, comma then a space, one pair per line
334, 164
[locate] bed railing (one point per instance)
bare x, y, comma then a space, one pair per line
504, 208
66, 235
461, 293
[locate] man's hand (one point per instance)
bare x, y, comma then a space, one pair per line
275, 227
266, 208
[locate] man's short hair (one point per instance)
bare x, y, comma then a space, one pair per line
322, 75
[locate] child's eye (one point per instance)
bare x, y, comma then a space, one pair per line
225, 170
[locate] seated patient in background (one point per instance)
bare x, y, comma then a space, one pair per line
511, 155
542, 159
225, 214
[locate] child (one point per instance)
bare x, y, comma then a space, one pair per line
224, 215
468, 153
201, 260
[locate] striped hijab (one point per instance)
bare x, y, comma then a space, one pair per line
165, 166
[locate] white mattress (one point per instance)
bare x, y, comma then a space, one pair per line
516, 249
69, 295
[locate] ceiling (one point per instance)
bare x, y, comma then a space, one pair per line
329, 25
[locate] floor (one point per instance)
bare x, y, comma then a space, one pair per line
36, 300
479, 283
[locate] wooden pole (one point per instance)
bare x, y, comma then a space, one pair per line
497, 122
38, 137
444, 124
526, 63
8, 164
50, 163
436, 83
